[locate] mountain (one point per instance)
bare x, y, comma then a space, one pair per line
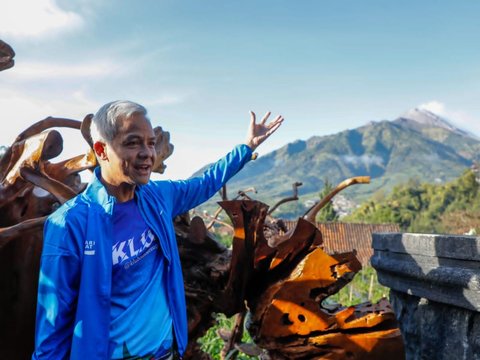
418, 145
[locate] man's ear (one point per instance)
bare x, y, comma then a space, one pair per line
99, 148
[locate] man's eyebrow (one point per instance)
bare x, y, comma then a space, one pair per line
132, 137
136, 137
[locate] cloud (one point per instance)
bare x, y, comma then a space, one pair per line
164, 100
365, 159
39, 70
21, 110
435, 107
38, 18
458, 117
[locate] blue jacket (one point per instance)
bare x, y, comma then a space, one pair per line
73, 309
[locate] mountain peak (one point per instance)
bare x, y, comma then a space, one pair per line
424, 118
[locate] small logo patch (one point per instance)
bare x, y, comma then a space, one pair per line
89, 247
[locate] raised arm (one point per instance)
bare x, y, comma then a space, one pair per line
187, 194
192, 192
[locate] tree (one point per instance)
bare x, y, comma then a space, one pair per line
327, 213
453, 207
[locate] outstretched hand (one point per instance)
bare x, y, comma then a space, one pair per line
258, 133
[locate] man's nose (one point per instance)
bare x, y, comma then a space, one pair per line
146, 151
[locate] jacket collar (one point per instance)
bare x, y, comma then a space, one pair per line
97, 193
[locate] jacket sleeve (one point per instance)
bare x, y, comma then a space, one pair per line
57, 293
192, 192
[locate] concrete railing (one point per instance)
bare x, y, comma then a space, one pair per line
435, 292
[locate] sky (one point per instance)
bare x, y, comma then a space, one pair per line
199, 67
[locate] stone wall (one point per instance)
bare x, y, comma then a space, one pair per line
435, 292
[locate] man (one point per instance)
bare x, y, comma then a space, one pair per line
111, 282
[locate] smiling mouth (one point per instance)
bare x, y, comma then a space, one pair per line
143, 168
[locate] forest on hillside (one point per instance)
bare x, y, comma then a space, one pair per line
451, 208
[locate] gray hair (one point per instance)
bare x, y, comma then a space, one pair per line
104, 125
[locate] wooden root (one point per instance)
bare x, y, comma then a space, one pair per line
312, 212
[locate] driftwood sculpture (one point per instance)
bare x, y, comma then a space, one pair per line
275, 282
280, 291
284, 289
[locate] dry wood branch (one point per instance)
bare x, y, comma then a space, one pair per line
312, 212
241, 193
251, 349
234, 338
248, 231
300, 239
61, 170
27, 153
214, 220
198, 231
16, 231
45, 124
85, 129
60, 191
164, 149
294, 197
223, 193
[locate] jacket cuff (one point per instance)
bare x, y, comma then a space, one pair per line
248, 152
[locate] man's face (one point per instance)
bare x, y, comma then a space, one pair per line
131, 154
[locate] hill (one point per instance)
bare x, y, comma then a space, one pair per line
417, 145
452, 208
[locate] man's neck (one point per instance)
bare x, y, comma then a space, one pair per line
122, 192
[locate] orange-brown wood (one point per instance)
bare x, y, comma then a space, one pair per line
287, 287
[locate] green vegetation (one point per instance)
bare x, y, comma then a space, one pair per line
453, 207
212, 344
327, 213
364, 287
225, 239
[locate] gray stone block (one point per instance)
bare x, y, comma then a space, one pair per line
435, 282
